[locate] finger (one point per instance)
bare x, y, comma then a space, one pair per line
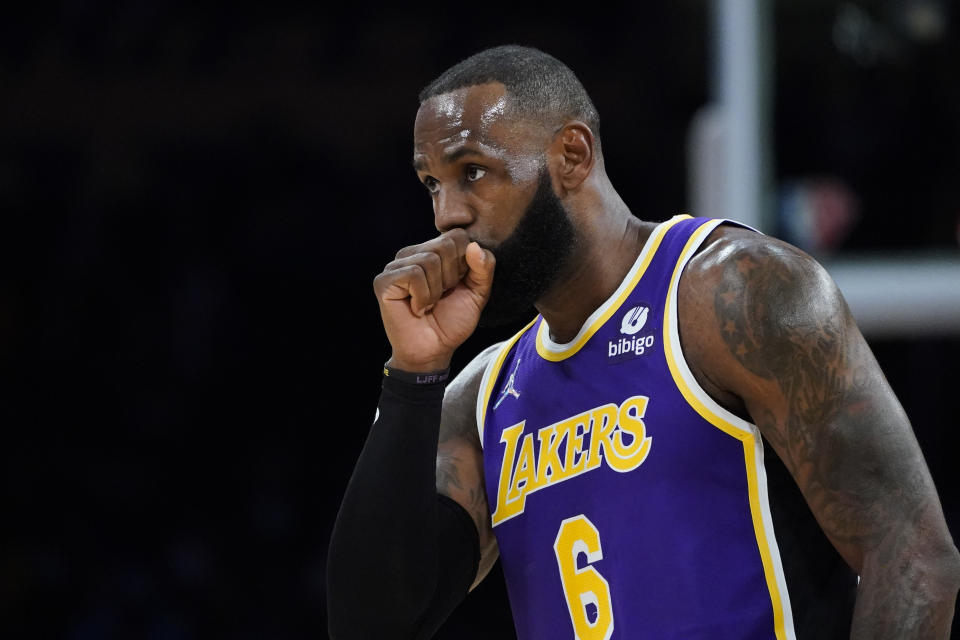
458, 235
481, 263
451, 246
407, 282
432, 266
454, 253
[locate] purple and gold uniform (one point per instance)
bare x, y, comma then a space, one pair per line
625, 501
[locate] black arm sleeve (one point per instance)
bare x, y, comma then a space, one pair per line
401, 556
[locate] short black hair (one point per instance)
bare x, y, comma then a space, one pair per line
541, 86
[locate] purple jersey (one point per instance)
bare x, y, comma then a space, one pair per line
625, 501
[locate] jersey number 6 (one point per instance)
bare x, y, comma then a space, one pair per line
587, 592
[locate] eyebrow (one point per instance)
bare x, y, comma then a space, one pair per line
449, 158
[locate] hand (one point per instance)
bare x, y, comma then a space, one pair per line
431, 297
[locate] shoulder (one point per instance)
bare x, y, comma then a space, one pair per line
732, 253
460, 400
736, 264
744, 297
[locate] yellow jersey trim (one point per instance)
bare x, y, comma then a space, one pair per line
554, 352
747, 433
490, 377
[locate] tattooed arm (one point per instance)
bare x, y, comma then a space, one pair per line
460, 456
769, 336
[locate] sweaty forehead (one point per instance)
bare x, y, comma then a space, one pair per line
477, 114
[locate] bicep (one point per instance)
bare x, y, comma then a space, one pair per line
839, 429
784, 342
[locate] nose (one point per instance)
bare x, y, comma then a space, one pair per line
451, 210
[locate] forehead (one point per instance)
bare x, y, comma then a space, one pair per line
474, 117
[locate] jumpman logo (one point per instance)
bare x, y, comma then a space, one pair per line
509, 390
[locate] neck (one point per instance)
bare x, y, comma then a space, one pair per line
609, 238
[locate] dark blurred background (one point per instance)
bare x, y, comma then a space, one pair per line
193, 205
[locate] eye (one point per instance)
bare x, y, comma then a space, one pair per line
431, 184
474, 173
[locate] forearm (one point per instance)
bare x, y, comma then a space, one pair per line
906, 597
383, 565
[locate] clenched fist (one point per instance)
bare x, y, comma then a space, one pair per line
431, 297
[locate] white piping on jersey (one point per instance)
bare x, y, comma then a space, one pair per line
489, 376
714, 412
651, 243
591, 325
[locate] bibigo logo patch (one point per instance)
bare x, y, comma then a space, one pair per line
634, 320
631, 324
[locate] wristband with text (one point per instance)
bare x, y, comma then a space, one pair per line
432, 377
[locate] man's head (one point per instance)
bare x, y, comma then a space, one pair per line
540, 87
504, 142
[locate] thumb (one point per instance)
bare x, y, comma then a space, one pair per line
480, 261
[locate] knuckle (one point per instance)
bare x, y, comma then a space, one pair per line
407, 251
421, 273
459, 235
381, 279
430, 261
449, 239
446, 242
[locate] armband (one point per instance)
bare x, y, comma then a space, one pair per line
432, 377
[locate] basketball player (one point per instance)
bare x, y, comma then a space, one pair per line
691, 440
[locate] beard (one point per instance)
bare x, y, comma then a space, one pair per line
531, 259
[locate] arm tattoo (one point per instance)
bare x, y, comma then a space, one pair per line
456, 432
449, 482
804, 359
448, 477
832, 402
835, 424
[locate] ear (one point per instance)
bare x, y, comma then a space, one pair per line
574, 144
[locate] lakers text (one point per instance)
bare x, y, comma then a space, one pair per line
568, 449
